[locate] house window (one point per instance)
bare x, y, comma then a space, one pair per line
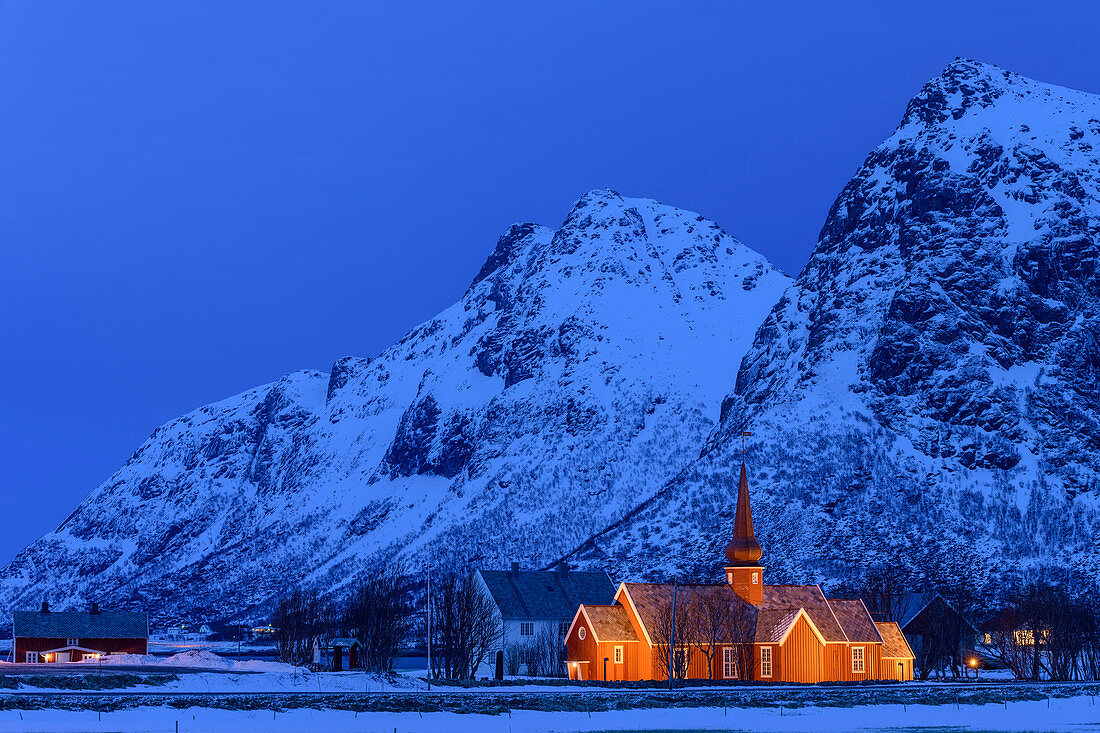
581, 633
858, 666
32, 657
755, 578
563, 628
89, 656
526, 628
618, 655
765, 661
72, 642
729, 663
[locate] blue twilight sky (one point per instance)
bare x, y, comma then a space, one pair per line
197, 197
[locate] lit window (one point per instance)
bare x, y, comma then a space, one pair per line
858, 666
32, 657
526, 628
729, 663
581, 633
618, 655
755, 578
765, 661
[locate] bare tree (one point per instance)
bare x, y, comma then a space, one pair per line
301, 620
545, 654
710, 617
883, 592
379, 613
672, 632
742, 637
464, 627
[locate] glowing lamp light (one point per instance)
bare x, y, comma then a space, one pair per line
973, 662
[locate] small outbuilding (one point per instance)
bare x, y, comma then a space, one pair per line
351, 649
46, 636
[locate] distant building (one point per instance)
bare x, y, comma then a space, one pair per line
71, 636
918, 612
531, 602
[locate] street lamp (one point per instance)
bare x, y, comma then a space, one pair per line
974, 666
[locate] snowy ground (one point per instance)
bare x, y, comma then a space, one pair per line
1066, 714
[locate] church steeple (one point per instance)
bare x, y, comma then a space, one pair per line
743, 549
744, 572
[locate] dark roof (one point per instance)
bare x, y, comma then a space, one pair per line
911, 604
345, 642
82, 625
546, 593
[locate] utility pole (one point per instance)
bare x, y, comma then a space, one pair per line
672, 635
428, 622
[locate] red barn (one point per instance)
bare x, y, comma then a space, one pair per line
740, 629
71, 636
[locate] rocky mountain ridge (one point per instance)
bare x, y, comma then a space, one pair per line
582, 368
925, 393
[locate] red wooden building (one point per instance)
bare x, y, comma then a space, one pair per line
47, 636
740, 629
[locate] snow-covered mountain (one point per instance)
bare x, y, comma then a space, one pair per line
580, 371
927, 392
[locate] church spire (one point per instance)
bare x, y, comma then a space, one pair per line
743, 550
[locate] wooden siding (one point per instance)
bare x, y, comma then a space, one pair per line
106, 646
593, 652
838, 662
801, 657
580, 650
897, 669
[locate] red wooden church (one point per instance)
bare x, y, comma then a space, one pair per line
740, 629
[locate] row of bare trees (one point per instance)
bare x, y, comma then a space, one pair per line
939, 631
464, 628
701, 620
379, 611
1046, 632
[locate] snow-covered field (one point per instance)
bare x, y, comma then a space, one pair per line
1076, 714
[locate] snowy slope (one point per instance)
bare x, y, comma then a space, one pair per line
581, 370
926, 393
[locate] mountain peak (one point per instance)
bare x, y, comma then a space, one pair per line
964, 84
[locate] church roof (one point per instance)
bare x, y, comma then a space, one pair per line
894, 645
855, 621
835, 620
610, 623
772, 626
809, 597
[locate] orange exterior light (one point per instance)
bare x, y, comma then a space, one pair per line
973, 662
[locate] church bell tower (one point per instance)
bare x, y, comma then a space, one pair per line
744, 573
